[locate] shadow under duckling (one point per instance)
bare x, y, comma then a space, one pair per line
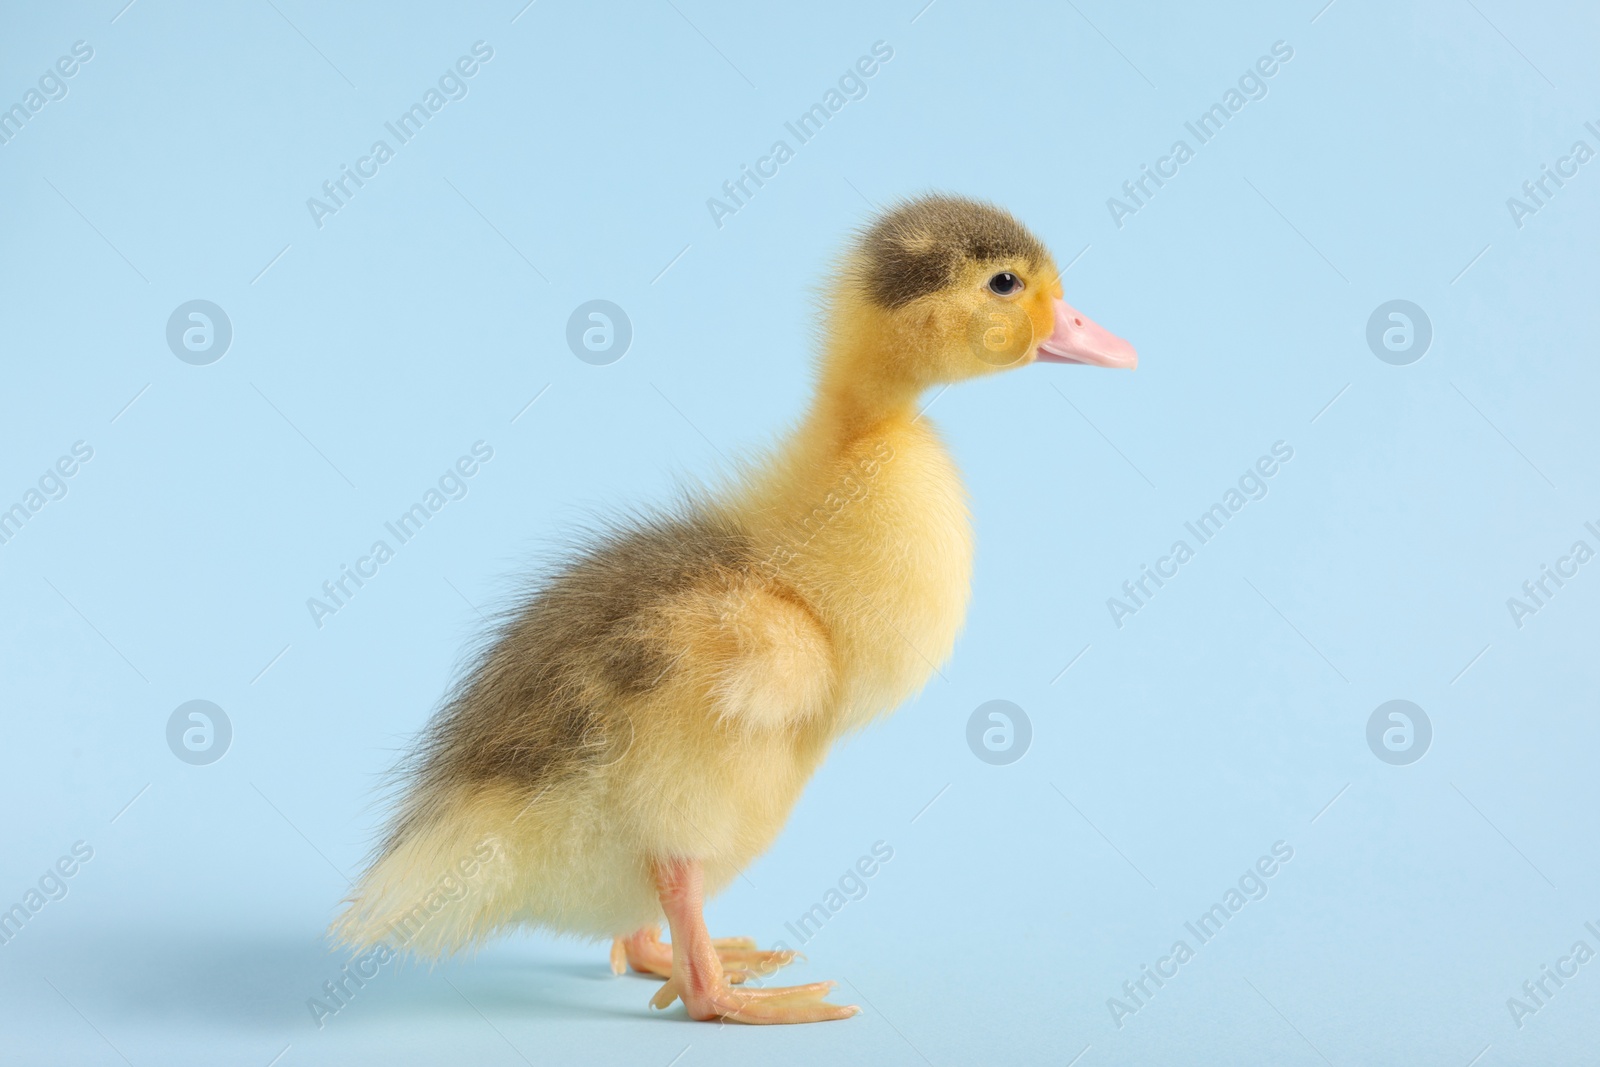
642, 725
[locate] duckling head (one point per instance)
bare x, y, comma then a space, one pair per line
941, 289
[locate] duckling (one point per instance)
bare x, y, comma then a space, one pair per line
639, 728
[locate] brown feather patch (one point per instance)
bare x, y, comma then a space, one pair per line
918, 248
547, 698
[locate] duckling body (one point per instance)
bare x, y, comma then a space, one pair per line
643, 724
830, 590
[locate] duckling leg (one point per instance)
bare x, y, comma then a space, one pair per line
646, 953
697, 973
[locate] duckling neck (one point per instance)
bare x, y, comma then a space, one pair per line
842, 414
858, 395
862, 409
855, 422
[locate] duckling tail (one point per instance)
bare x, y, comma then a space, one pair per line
441, 883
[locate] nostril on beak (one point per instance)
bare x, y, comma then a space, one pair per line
1077, 322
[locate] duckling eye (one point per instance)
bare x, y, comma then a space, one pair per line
1005, 284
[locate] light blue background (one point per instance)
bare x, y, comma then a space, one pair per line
1177, 749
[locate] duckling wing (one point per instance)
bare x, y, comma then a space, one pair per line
756, 650
671, 616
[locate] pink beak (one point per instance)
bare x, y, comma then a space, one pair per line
1079, 339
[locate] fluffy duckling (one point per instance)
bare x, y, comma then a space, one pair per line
640, 727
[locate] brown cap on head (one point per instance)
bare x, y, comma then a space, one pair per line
918, 247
